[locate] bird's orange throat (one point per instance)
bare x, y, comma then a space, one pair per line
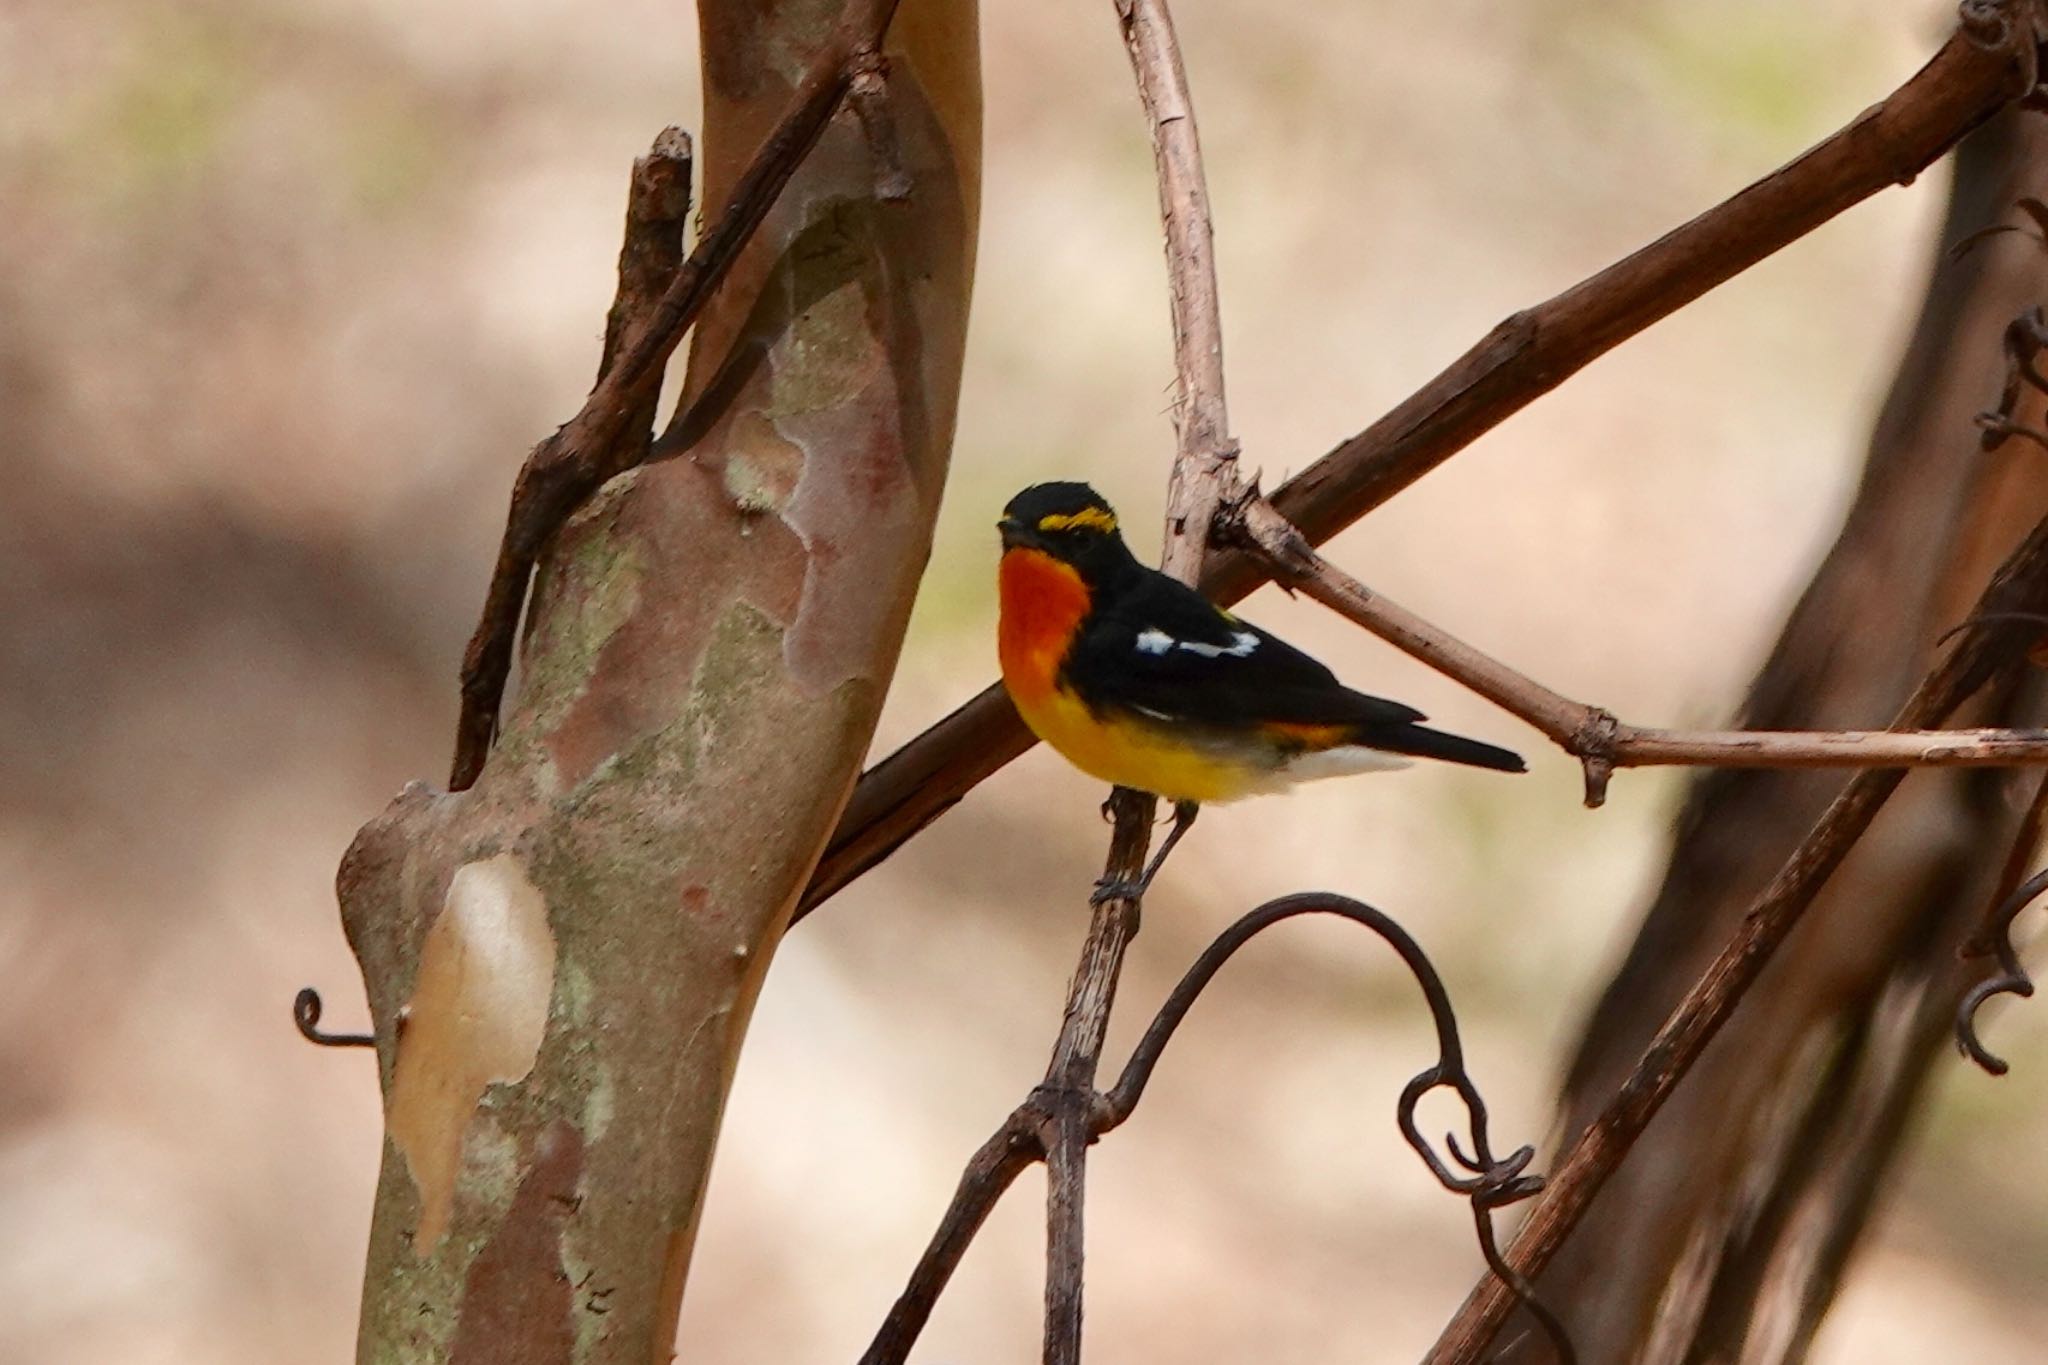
1043, 600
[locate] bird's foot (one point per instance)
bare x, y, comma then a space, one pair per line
1109, 889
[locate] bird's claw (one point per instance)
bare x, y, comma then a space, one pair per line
1109, 889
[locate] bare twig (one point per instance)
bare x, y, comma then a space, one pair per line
1589, 733
568, 466
1204, 468
306, 1009
1448, 1071
1015, 1145
1204, 472
1064, 1111
1980, 69
1985, 65
2025, 336
1054, 1124
2011, 978
657, 215
1999, 642
1068, 1093
2012, 895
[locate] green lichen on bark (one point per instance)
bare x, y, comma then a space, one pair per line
583, 593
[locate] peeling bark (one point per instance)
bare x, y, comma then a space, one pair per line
562, 959
1725, 1234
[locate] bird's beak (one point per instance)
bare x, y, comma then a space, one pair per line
1012, 531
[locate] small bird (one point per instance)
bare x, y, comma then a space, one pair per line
1141, 681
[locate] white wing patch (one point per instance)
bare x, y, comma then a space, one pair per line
1157, 641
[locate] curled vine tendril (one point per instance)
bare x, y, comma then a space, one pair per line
1489, 1181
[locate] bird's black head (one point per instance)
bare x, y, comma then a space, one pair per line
1068, 521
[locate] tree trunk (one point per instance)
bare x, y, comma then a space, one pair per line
561, 960
1724, 1235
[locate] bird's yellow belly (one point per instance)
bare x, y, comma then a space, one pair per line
1131, 754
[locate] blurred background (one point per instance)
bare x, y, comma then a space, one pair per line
287, 291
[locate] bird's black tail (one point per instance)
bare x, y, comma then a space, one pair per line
1420, 741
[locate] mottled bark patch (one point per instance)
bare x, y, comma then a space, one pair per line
518, 1305
650, 663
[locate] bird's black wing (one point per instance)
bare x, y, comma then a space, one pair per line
1163, 650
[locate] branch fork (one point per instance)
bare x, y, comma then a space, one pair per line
1600, 741
1065, 1113
612, 431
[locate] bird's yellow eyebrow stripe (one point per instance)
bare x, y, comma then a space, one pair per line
1101, 518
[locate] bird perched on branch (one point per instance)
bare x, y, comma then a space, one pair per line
1139, 680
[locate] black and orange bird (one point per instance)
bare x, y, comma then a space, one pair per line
1139, 680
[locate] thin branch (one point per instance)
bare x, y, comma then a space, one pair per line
306, 1010
2011, 979
1589, 733
1447, 1072
1061, 1115
1067, 1096
1204, 476
1204, 468
2000, 641
2025, 336
2015, 892
657, 216
567, 467
1988, 63
1524, 1292
989, 1174
1066, 1187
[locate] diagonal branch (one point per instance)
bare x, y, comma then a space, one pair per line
609, 433
2011, 896
1589, 733
989, 1174
1989, 62
1999, 642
